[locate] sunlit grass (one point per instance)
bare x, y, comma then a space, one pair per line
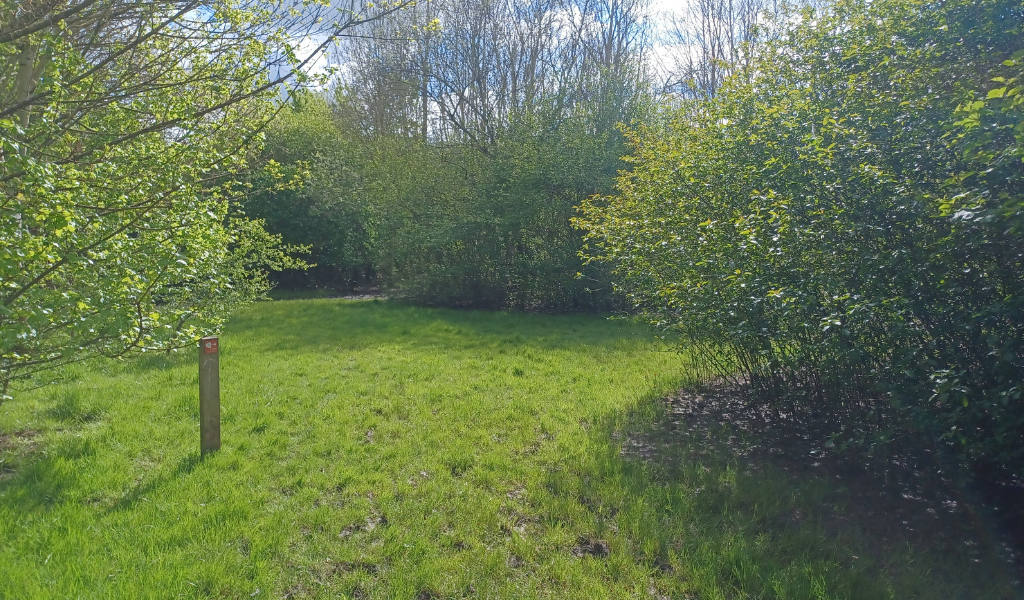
378, 451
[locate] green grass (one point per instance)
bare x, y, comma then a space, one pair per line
378, 451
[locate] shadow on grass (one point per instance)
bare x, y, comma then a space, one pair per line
337, 325
44, 480
67, 407
352, 325
43, 475
717, 509
44, 472
185, 465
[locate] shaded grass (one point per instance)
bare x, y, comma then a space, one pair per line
378, 451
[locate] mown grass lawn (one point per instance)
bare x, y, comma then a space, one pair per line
372, 450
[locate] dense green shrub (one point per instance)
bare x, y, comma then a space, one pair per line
835, 219
315, 199
447, 224
493, 230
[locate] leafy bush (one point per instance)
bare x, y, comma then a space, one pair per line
442, 224
836, 221
319, 204
493, 230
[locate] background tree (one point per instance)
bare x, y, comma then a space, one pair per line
709, 41
488, 123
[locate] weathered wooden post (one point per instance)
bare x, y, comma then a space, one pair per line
209, 395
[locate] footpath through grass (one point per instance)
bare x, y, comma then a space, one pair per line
378, 451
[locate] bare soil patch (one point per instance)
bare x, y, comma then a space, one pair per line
591, 547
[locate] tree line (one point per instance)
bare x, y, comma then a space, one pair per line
447, 159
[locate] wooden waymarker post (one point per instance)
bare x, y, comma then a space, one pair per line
209, 395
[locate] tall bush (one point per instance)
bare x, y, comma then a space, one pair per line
833, 219
493, 230
445, 223
323, 204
